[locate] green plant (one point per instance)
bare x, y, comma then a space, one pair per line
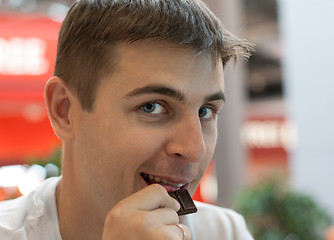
51, 163
272, 212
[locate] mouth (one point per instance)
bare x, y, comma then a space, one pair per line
168, 185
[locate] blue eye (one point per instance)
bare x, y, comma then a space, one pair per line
206, 113
152, 108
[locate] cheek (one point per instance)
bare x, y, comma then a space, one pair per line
210, 141
210, 138
126, 147
111, 154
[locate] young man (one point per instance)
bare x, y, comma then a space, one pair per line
137, 89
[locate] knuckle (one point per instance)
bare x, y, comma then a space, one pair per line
119, 209
159, 189
116, 213
173, 214
113, 215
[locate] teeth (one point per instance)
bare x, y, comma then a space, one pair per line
152, 178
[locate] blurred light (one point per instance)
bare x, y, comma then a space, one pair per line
23, 56
269, 134
209, 188
11, 176
28, 6
25, 178
52, 170
34, 112
15, 3
33, 177
57, 12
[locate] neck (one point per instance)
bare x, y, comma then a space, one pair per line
78, 218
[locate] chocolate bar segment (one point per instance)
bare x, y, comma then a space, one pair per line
185, 200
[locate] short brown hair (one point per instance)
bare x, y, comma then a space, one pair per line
93, 28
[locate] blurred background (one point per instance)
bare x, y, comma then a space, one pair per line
274, 161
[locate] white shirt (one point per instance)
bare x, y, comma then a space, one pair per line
34, 217
216, 223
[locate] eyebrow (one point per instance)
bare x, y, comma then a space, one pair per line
157, 89
217, 96
167, 91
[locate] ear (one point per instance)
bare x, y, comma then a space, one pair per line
58, 100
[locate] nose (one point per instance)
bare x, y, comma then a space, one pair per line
187, 141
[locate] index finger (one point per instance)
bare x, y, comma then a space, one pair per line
152, 197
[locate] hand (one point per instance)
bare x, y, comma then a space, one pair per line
149, 214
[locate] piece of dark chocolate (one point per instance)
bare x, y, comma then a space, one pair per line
185, 200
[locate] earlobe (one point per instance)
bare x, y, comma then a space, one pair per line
58, 100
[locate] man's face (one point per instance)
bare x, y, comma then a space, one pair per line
154, 120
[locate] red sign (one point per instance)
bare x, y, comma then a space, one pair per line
268, 142
28, 46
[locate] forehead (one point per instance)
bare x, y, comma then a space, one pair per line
150, 62
163, 52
